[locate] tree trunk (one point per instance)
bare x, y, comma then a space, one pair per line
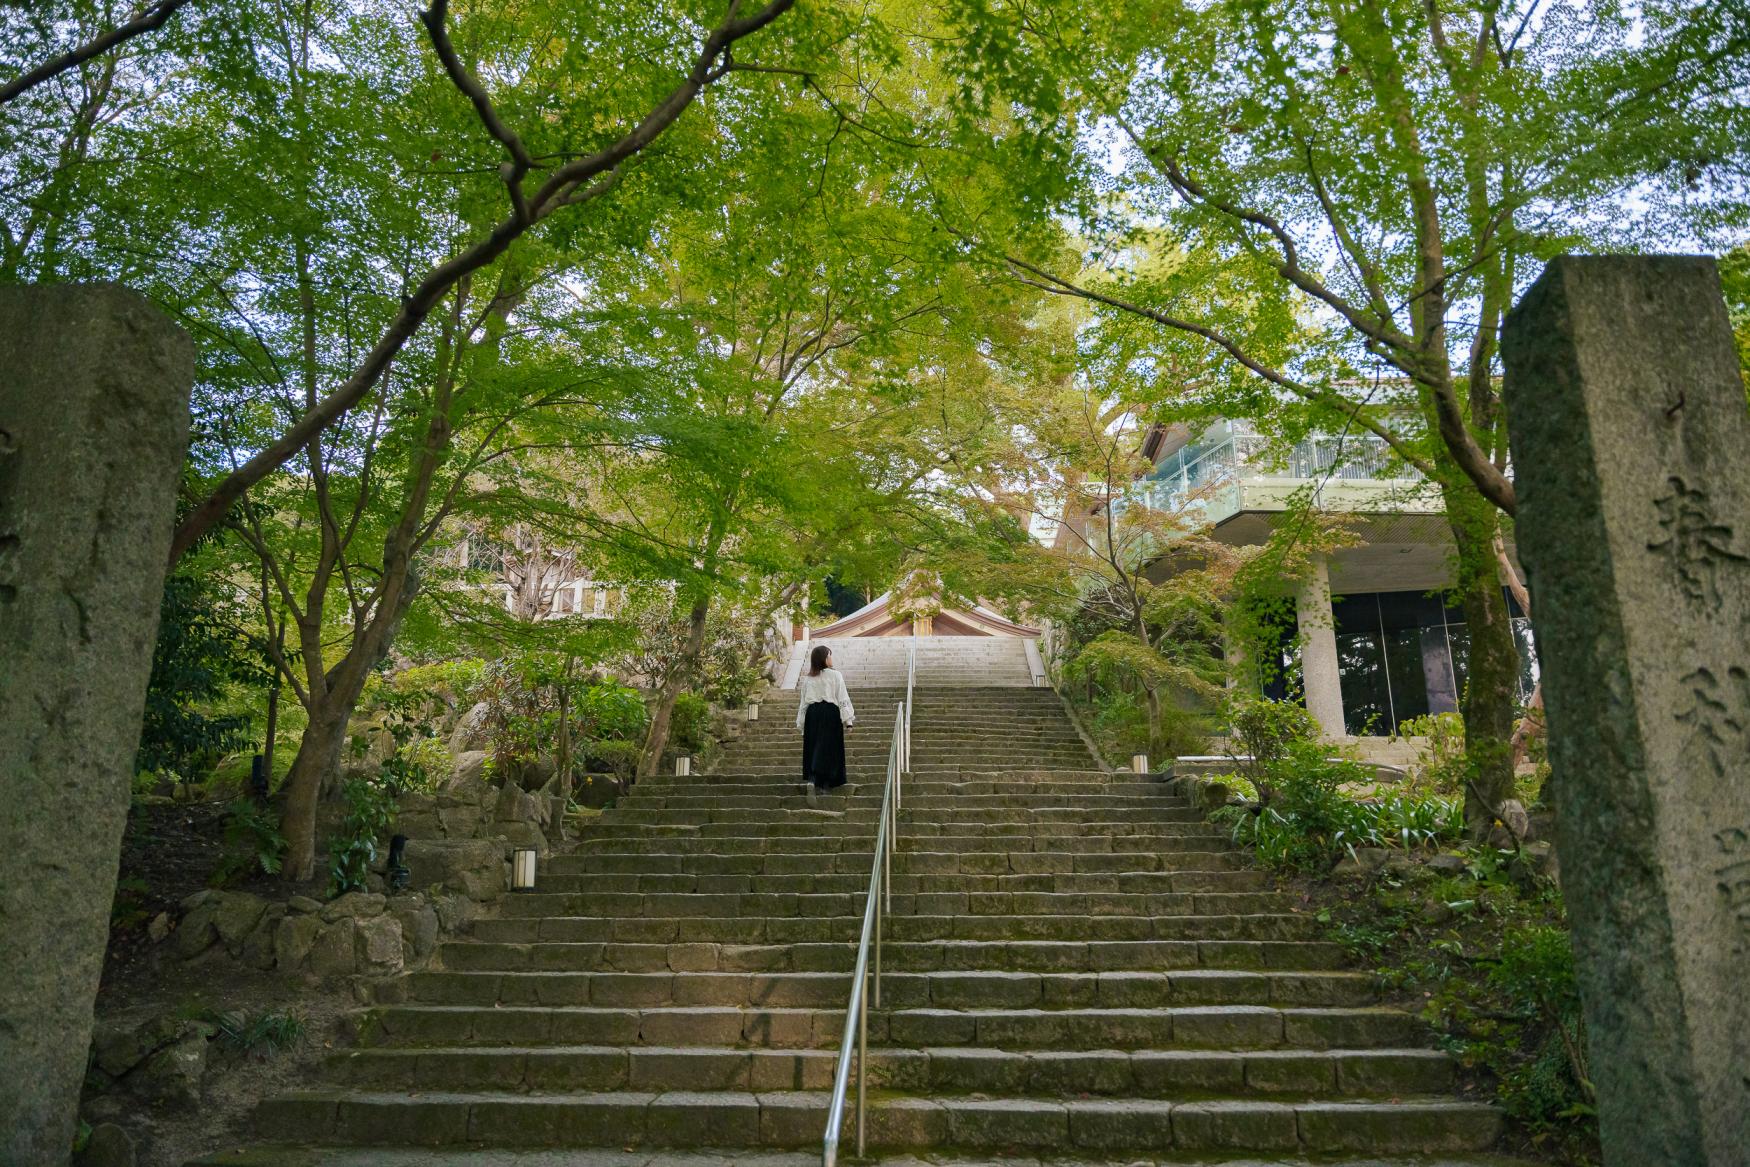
318, 757
657, 742
1154, 722
1492, 675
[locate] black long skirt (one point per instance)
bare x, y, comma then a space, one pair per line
823, 746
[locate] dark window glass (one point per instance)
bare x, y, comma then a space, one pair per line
1409, 688
1458, 636
1361, 667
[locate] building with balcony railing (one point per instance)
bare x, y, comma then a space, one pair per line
1375, 642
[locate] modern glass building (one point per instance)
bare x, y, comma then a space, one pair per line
1374, 641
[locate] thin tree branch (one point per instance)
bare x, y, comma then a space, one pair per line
148, 21
557, 192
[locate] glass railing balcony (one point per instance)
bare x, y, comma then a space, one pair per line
1233, 471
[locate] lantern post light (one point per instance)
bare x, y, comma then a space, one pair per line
683, 767
522, 869
753, 711
1139, 763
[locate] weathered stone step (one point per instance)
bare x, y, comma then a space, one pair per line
954, 989
780, 798
864, 814
1033, 955
1151, 882
986, 781
949, 1072
1227, 1027
304, 1155
832, 929
827, 825
773, 904
705, 864
797, 1119
1008, 843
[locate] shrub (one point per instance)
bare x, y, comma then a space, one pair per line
370, 810
1304, 821
253, 844
261, 1034
690, 723
202, 653
1443, 762
1265, 730
610, 711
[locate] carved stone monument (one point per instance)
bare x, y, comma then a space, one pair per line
93, 427
1631, 443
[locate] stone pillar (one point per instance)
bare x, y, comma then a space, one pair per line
1323, 684
1629, 432
93, 428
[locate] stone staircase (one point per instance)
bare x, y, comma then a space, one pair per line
942, 661
1077, 966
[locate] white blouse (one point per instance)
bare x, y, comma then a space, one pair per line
828, 686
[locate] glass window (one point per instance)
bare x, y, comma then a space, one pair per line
1361, 667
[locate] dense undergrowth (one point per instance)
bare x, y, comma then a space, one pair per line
1473, 933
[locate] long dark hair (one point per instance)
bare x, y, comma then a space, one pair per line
817, 659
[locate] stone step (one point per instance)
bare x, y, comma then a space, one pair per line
954, 989
714, 786
826, 823
1146, 882
705, 863
797, 1119
774, 905
987, 781
949, 1072
776, 797
1011, 843
1228, 1027
865, 813
304, 1155
839, 929
922, 956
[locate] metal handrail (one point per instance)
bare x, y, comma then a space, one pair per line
863, 989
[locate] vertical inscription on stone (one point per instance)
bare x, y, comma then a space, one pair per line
1634, 505
1697, 544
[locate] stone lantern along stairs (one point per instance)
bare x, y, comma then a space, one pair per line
1077, 964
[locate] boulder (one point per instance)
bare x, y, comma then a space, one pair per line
1513, 815
458, 822
293, 939
377, 945
335, 952
521, 835
1371, 858
419, 927
469, 734
516, 805
473, 867
257, 949
198, 930
236, 916
1448, 864
535, 773
117, 1049
304, 904
108, 1145
467, 771
172, 1076
454, 912
159, 928
354, 905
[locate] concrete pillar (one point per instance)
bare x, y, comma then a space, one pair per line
1318, 649
93, 429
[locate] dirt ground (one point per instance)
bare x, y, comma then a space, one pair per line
169, 851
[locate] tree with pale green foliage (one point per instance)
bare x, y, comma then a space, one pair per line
1325, 211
